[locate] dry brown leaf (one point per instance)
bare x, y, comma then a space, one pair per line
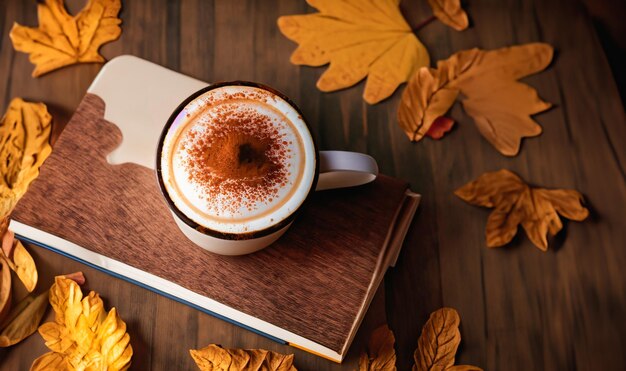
24, 133
536, 209
380, 356
61, 39
358, 38
24, 319
83, 334
450, 13
438, 342
5, 289
499, 104
214, 357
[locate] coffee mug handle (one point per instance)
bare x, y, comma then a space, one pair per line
340, 169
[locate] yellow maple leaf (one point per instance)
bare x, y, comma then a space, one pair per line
24, 134
438, 343
536, 209
500, 105
214, 357
358, 38
380, 356
83, 336
450, 13
61, 39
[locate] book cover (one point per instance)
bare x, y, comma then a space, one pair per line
310, 289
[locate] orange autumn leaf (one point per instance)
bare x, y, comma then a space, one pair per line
5, 289
25, 132
380, 355
214, 357
450, 13
536, 209
499, 104
438, 343
19, 260
359, 38
62, 39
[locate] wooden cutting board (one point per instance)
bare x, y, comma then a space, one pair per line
98, 190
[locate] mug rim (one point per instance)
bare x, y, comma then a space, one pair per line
197, 226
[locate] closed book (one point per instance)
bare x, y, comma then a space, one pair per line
103, 207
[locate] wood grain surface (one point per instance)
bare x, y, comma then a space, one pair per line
520, 308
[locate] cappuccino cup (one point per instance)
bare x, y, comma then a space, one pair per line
236, 162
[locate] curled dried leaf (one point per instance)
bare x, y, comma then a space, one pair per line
61, 39
359, 38
380, 356
450, 13
24, 319
24, 132
83, 334
5, 289
438, 342
24, 266
499, 104
214, 357
515, 203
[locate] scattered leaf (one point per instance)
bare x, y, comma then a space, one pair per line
440, 127
380, 356
24, 319
24, 266
536, 209
61, 39
24, 134
50, 362
214, 357
358, 38
83, 334
5, 289
450, 13
7, 243
500, 105
438, 342
77, 277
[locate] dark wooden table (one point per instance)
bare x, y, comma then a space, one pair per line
520, 308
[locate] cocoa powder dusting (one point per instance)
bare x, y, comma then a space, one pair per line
238, 160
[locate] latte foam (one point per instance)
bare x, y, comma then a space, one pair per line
238, 159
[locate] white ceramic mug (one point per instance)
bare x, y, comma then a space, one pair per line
331, 169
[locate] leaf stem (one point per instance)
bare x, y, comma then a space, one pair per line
424, 23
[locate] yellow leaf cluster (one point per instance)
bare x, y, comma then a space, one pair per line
380, 356
359, 38
83, 336
24, 134
62, 39
214, 357
515, 203
499, 104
